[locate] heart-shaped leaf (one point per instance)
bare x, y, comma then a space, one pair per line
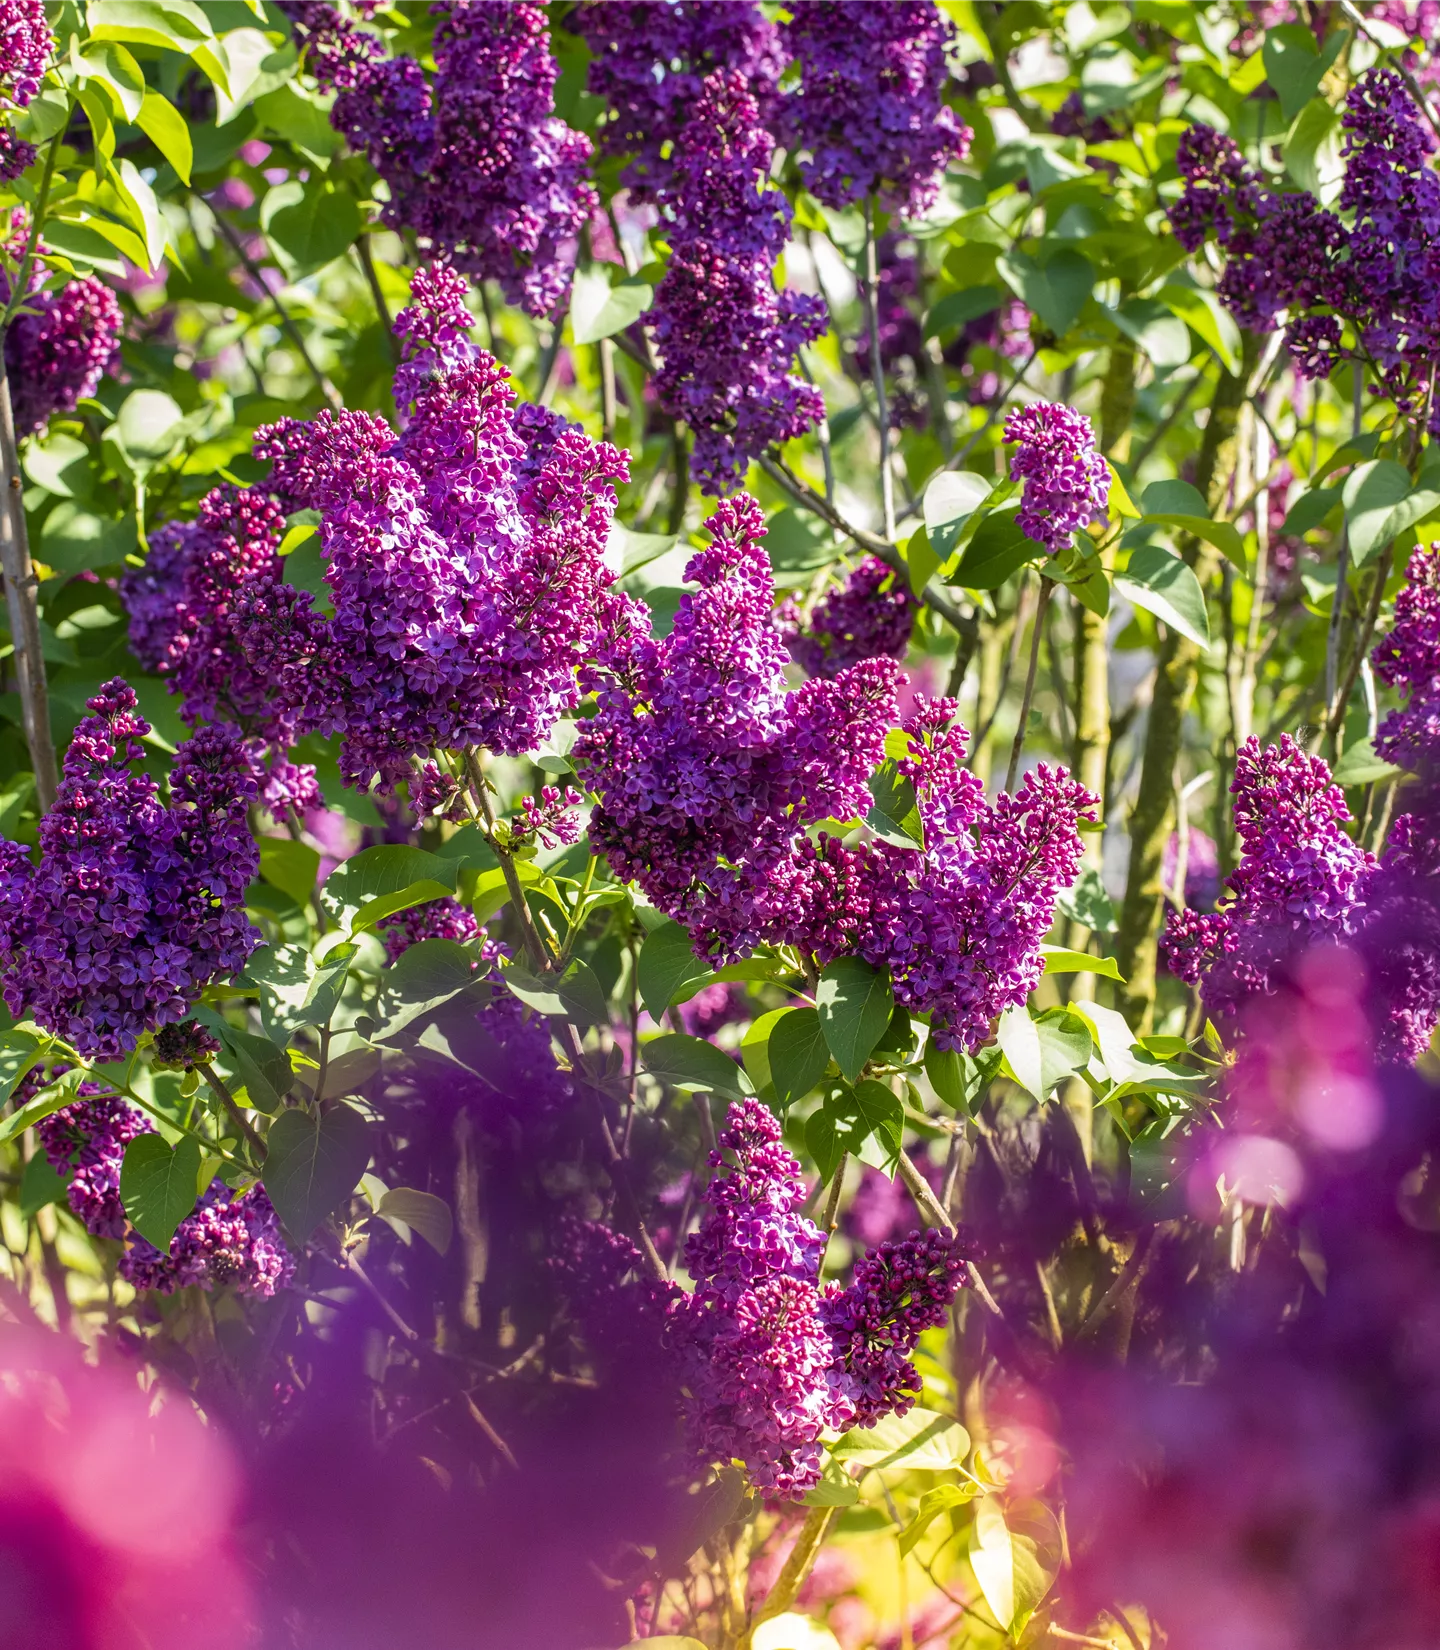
854, 1002
667, 962
1166, 586
423, 1212
158, 1185
693, 1064
798, 1054
313, 1164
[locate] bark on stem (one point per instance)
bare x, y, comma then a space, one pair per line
877, 370
1176, 672
790, 1580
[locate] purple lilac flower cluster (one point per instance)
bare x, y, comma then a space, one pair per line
727, 338
60, 345
440, 919
466, 593
1301, 881
769, 1359
476, 161
1067, 481
1408, 658
868, 109
1284, 253
183, 1046
650, 63
134, 906
26, 47
706, 768
870, 616
231, 1238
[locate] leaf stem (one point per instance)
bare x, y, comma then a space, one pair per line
222, 1093
1038, 630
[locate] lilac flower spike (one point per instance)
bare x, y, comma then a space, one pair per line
1067, 482
135, 906
60, 345
868, 108
26, 46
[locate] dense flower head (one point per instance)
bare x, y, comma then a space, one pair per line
206, 583
134, 906
1067, 481
1408, 658
768, 1359
58, 346
727, 338
184, 1046
649, 65
870, 616
898, 1291
1301, 881
868, 109
231, 1240
85, 1143
477, 162
26, 46
701, 759
467, 572
439, 919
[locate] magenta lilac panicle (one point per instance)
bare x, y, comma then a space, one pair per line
1067, 481
134, 905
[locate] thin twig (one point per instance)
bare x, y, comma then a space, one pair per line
382, 309
369, 1286
871, 286
930, 1206
1129, 1274
292, 332
242, 1122
1399, 62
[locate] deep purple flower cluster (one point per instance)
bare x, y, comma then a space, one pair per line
466, 593
868, 110
59, 346
958, 921
184, 1046
26, 47
770, 1360
1067, 481
650, 63
871, 616
727, 338
440, 919
229, 1239
134, 906
476, 161
1301, 881
85, 1143
1408, 658
1286, 255
701, 759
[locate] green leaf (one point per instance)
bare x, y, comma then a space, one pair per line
290, 866
312, 1165
378, 882
40, 1186
118, 72
922, 1440
957, 1078
1361, 766
1380, 505
832, 1131
76, 540
574, 995
1015, 1559
884, 1119
692, 1064
1203, 313
1057, 292
145, 211
598, 310
1166, 586
836, 1488
1114, 1042
147, 426
1312, 150
18, 1052
175, 25
426, 977
667, 962
299, 121
1310, 509
997, 549
798, 1054
755, 1049
423, 1212
1042, 1053
855, 1002
896, 814
158, 1185
1060, 959
1087, 901
631, 551
943, 1498
1295, 65
1157, 330
261, 1067
956, 308
311, 227
951, 499
166, 128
